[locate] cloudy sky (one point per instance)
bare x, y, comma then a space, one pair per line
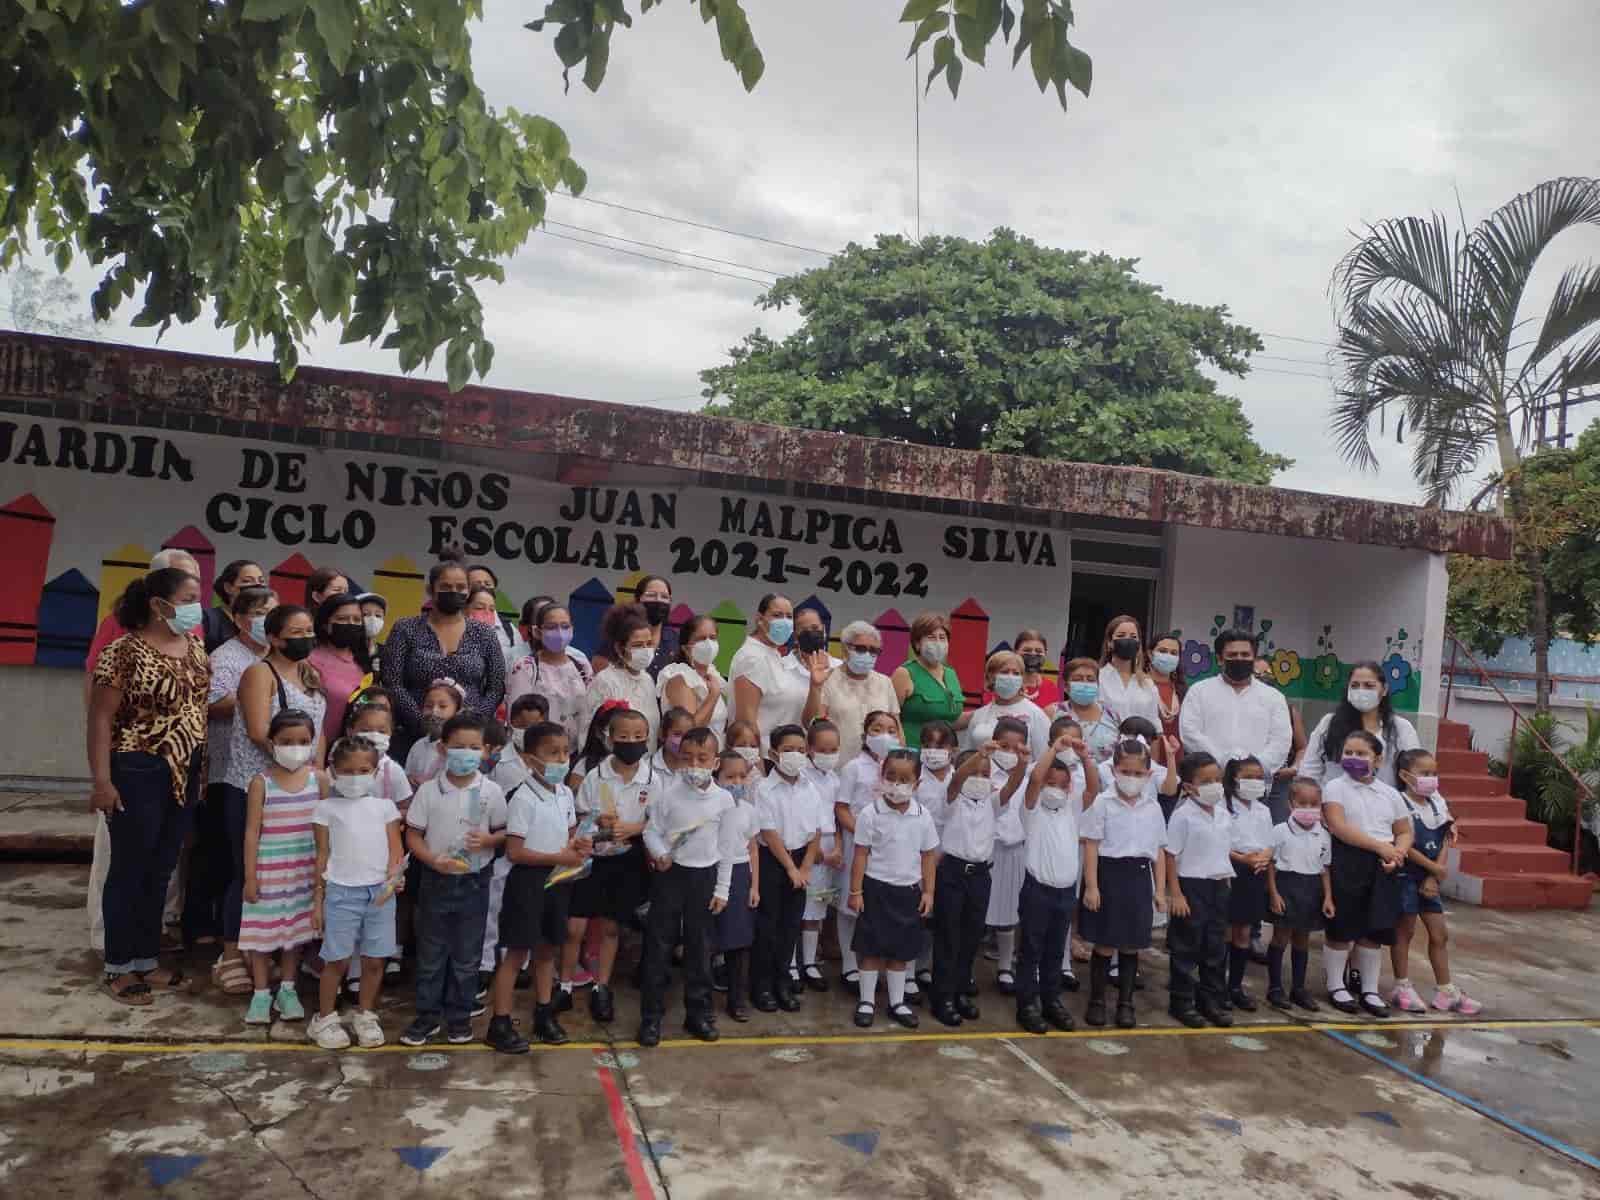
1230, 146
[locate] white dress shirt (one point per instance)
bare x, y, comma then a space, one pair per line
444, 813
1200, 840
1124, 830
933, 794
1008, 829
605, 791
1301, 851
1136, 698
1231, 723
1053, 850
981, 728
1314, 764
1372, 808
896, 842
789, 809
686, 823
616, 682
541, 816
739, 827
858, 782
969, 827
1252, 826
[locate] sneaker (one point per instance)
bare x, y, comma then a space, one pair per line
287, 1002
562, 1001
327, 1032
479, 1006
458, 1033
260, 1010
1453, 999
369, 1033
419, 1033
485, 979
1405, 998
582, 977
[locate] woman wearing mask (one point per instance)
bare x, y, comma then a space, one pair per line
1046, 693
854, 689
1098, 720
481, 576
555, 670
630, 646
773, 684
1166, 672
927, 686
340, 658
146, 739
655, 599
1125, 683
218, 623
1365, 706
374, 616
693, 682
322, 583
441, 644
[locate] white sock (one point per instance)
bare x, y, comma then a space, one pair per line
1006, 940
1333, 964
808, 946
566, 986
1369, 961
267, 991
896, 981
845, 923
867, 987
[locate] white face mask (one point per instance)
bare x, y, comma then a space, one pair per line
1129, 786
640, 657
353, 787
1209, 794
1363, 700
379, 741
1006, 760
697, 777
791, 763
936, 760
1251, 789
898, 793
749, 753
881, 743
373, 625
291, 758
1053, 798
976, 787
704, 652
934, 651
825, 762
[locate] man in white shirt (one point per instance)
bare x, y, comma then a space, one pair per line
1231, 715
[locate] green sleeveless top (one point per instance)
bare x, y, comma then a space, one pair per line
930, 700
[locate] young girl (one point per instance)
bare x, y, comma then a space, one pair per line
933, 793
891, 887
1245, 784
1008, 764
1050, 813
736, 924
1432, 830
1371, 827
630, 646
440, 702
675, 722
745, 741
1124, 879
1298, 892
858, 786
372, 719
554, 669
1200, 872
791, 841
280, 861
822, 741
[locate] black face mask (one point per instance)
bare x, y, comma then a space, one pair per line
1032, 662
630, 752
1126, 649
657, 611
811, 640
450, 603
297, 648
347, 637
1239, 669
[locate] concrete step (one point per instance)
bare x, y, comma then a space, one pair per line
1473, 784
1526, 891
1501, 831
1503, 858
1487, 808
1462, 762
1453, 735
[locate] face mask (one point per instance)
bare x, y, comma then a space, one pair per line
697, 777
881, 743
353, 787
1007, 686
372, 626
750, 754
736, 790
555, 772
1208, 794
1363, 700
462, 760
1053, 798
1004, 759
432, 726
485, 617
898, 793
933, 651
936, 760
1239, 669
780, 630
185, 617
657, 611
791, 763
555, 640
1083, 694
674, 743
1425, 785
450, 603
1355, 766
811, 640
347, 637
640, 657
291, 758
705, 651
862, 661
1164, 661
296, 649
825, 762
976, 787
1127, 649
258, 629
629, 753
1129, 786
1306, 818
1251, 789
1033, 663
378, 741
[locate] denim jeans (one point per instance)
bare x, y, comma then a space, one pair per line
146, 836
451, 910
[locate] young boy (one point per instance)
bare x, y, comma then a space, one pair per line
456, 823
791, 841
685, 837
540, 836
526, 711
358, 853
1200, 877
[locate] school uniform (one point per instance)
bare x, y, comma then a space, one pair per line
825, 888
531, 914
1010, 853
1366, 898
961, 889
508, 773
1430, 830
933, 794
685, 824
788, 808
1049, 896
618, 874
889, 925
858, 788
1299, 856
1251, 830
1130, 837
736, 924
1197, 945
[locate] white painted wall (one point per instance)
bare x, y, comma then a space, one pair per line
1490, 717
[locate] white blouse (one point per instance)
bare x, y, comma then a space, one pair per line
1136, 698
619, 683
1314, 766
698, 688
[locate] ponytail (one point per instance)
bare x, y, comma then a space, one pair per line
134, 609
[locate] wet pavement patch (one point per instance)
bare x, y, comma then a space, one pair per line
163, 1169
421, 1158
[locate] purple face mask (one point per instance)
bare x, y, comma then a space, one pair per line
556, 640
674, 742
1355, 766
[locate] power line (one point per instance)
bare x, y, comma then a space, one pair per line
643, 212
1286, 337
1309, 362
669, 249
1296, 374
671, 262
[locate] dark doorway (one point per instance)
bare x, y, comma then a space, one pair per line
1098, 598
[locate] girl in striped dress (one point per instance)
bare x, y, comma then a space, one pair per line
280, 860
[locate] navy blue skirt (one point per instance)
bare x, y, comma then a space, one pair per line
1247, 902
889, 925
1127, 906
736, 924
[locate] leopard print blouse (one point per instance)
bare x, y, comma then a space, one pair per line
163, 709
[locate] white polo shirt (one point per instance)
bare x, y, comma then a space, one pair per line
933, 794
1053, 851
541, 816
686, 823
827, 785
896, 842
1372, 808
738, 827
1124, 830
969, 827
603, 790
1301, 851
444, 813
1200, 841
790, 809
1008, 829
1252, 826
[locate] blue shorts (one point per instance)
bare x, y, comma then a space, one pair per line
1412, 901
350, 925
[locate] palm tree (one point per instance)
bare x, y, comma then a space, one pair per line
1428, 323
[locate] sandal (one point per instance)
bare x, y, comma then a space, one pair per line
135, 994
231, 975
175, 980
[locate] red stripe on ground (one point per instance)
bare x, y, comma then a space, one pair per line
637, 1175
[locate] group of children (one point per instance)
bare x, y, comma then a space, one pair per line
501, 854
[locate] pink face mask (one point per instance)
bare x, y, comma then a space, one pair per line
1425, 785
1306, 818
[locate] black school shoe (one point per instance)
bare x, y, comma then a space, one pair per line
1242, 1000
503, 1037
788, 1001
765, 1002
814, 979
1373, 1007
1218, 1015
1126, 1017
1031, 1020
1188, 1015
602, 1005
944, 1012
865, 1015
1279, 999
1069, 982
903, 1014
562, 1000
546, 1028
1344, 1006
703, 1027
1302, 999
1058, 1016
967, 1007
650, 1032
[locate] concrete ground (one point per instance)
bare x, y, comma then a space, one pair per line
182, 1099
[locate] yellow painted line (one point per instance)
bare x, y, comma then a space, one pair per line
1110, 1033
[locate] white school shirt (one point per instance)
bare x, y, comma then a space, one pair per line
1301, 851
896, 842
1124, 830
1053, 850
1372, 808
739, 827
443, 814
699, 689
1431, 815
1313, 764
605, 791
858, 782
1008, 829
789, 809
616, 682
423, 760
1133, 699
969, 826
679, 806
827, 785
1252, 826
358, 838
510, 770
541, 816
981, 728
1230, 724
392, 783
1200, 841
933, 794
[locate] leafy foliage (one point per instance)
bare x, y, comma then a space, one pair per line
1003, 345
1545, 780
43, 303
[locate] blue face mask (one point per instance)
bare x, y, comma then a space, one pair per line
258, 629
780, 630
185, 617
1007, 686
554, 773
862, 661
462, 760
736, 790
1083, 694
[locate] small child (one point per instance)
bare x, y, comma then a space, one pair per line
822, 740
373, 722
691, 823
1050, 812
858, 787
962, 883
744, 739
358, 859
373, 698
526, 711
675, 722
791, 836
1200, 874
1432, 830
440, 702
736, 925
541, 827
455, 825
891, 887
1244, 783
1008, 760
1299, 892
937, 754
280, 866
1123, 837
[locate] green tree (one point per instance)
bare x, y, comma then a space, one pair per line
1002, 345
43, 303
1431, 322
286, 161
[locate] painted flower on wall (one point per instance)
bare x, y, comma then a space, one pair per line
1196, 659
1396, 673
1325, 671
1285, 667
